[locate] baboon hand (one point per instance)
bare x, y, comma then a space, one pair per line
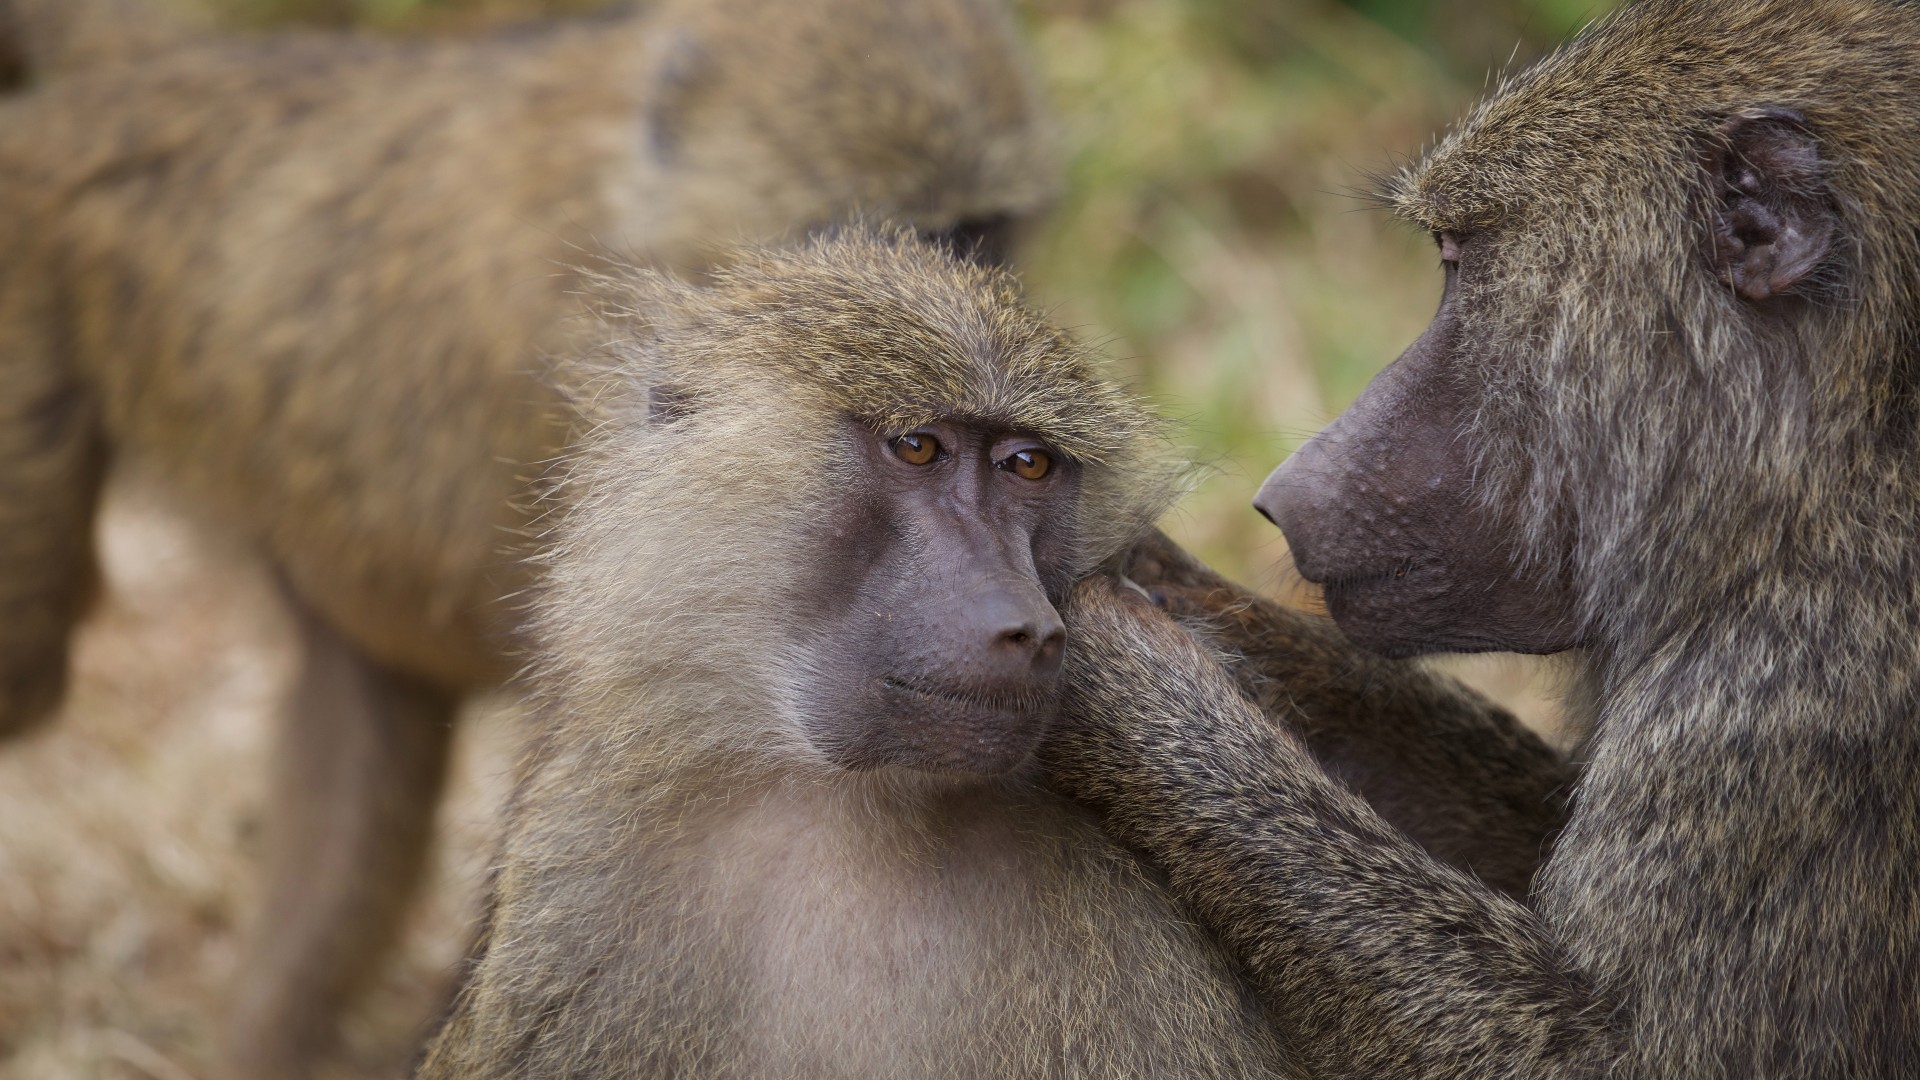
1134, 680
1157, 562
1105, 617
1183, 586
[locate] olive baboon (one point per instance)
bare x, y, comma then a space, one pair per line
1666, 412
311, 277
796, 644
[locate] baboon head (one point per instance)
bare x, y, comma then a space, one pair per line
769, 113
847, 486
1676, 322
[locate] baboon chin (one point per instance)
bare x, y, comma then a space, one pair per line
797, 639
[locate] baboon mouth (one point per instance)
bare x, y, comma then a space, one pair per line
1359, 582
973, 698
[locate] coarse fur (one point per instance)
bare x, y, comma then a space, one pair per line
311, 280
1375, 958
1671, 396
687, 885
1462, 778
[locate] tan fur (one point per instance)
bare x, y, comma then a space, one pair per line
353, 251
313, 279
687, 887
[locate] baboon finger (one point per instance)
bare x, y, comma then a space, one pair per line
1157, 560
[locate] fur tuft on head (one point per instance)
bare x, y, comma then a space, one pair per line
889, 330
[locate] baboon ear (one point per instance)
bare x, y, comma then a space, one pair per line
1773, 218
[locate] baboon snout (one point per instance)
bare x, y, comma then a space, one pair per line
1010, 637
1294, 497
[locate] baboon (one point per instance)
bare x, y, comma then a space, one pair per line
796, 643
311, 278
1666, 414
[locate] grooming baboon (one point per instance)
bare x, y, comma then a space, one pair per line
311, 277
1666, 412
796, 644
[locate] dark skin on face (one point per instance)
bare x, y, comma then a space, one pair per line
1381, 509
1378, 510
938, 645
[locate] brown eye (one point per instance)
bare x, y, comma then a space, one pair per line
1029, 464
916, 449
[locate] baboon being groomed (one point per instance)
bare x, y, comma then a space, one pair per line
312, 278
796, 644
1666, 413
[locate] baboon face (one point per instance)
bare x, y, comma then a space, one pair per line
918, 466
937, 646
1593, 364
1379, 509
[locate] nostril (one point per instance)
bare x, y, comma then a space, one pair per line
1031, 639
1265, 513
1020, 636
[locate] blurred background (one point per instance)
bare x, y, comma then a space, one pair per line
1211, 240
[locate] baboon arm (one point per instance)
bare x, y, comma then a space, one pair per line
358, 770
1376, 959
1462, 777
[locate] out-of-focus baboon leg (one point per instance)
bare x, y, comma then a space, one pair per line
51, 464
355, 780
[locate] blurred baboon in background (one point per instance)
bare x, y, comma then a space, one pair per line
311, 279
1667, 413
797, 644
42, 39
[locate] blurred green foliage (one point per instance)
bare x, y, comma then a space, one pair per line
1210, 234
